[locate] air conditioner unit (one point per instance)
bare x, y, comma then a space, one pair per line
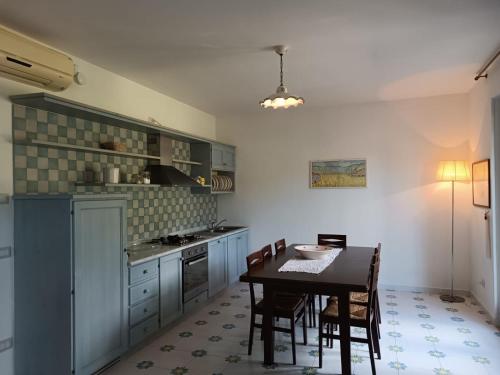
26, 61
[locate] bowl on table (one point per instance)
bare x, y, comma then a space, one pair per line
313, 251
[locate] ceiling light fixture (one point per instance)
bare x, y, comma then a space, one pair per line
281, 99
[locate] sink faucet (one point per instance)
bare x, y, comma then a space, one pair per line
213, 225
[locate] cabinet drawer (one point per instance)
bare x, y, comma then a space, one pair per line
143, 291
196, 301
142, 272
143, 330
143, 310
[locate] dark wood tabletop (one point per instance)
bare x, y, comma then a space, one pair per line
349, 272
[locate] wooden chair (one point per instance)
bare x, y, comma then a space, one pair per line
333, 240
362, 298
280, 248
286, 306
360, 316
267, 251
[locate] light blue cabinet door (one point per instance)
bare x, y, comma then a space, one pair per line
217, 156
170, 288
228, 157
217, 279
100, 297
232, 259
223, 157
6, 288
242, 252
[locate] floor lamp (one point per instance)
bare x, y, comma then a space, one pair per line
452, 170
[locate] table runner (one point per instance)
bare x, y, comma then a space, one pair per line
300, 264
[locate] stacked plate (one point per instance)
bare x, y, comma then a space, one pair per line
222, 183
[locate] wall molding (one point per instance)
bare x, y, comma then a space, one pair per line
405, 288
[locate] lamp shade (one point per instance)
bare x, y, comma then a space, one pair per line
453, 170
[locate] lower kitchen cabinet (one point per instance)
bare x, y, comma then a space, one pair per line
237, 251
70, 283
170, 288
217, 259
242, 248
143, 296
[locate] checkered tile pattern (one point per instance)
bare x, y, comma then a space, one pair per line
152, 211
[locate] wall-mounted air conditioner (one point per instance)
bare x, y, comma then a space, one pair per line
24, 60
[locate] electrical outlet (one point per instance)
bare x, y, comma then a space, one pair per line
483, 283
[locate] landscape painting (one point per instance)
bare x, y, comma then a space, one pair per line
347, 173
481, 183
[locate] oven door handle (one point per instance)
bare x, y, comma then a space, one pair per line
197, 261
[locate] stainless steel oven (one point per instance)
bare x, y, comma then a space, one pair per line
195, 271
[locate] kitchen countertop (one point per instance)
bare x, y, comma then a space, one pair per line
144, 252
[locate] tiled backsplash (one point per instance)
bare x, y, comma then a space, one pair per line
152, 211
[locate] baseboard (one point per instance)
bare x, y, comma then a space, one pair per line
405, 288
488, 314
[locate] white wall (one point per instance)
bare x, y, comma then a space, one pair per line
105, 90
403, 206
483, 260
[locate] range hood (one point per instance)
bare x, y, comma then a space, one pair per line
165, 173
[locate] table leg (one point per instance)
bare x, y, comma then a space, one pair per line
268, 325
345, 333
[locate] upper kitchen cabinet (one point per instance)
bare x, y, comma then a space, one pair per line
220, 168
223, 157
70, 273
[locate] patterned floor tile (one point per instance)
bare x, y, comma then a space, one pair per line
420, 335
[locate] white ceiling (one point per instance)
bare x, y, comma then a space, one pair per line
214, 54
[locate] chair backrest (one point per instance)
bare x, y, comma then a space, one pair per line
280, 246
253, 260
267, 251
377, 251
373, 278
334, 240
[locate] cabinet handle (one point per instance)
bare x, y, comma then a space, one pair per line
144, 291
145, 272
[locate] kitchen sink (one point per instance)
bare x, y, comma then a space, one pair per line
214, 232
225, 229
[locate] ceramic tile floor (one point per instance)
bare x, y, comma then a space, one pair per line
420, 335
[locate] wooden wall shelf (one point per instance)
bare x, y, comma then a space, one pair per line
115, 185
37, 142
190, 162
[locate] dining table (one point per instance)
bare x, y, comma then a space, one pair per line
349, 272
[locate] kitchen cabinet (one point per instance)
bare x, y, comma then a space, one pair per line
71, 282
237, 251
242, 248
217, 258
223, 157
143, 296
170, 288
6, 287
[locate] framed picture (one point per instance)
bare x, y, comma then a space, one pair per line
343, 173
481, 183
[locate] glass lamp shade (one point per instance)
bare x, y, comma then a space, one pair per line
453, 170
281, 99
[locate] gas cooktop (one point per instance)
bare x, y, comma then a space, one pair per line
179, 240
